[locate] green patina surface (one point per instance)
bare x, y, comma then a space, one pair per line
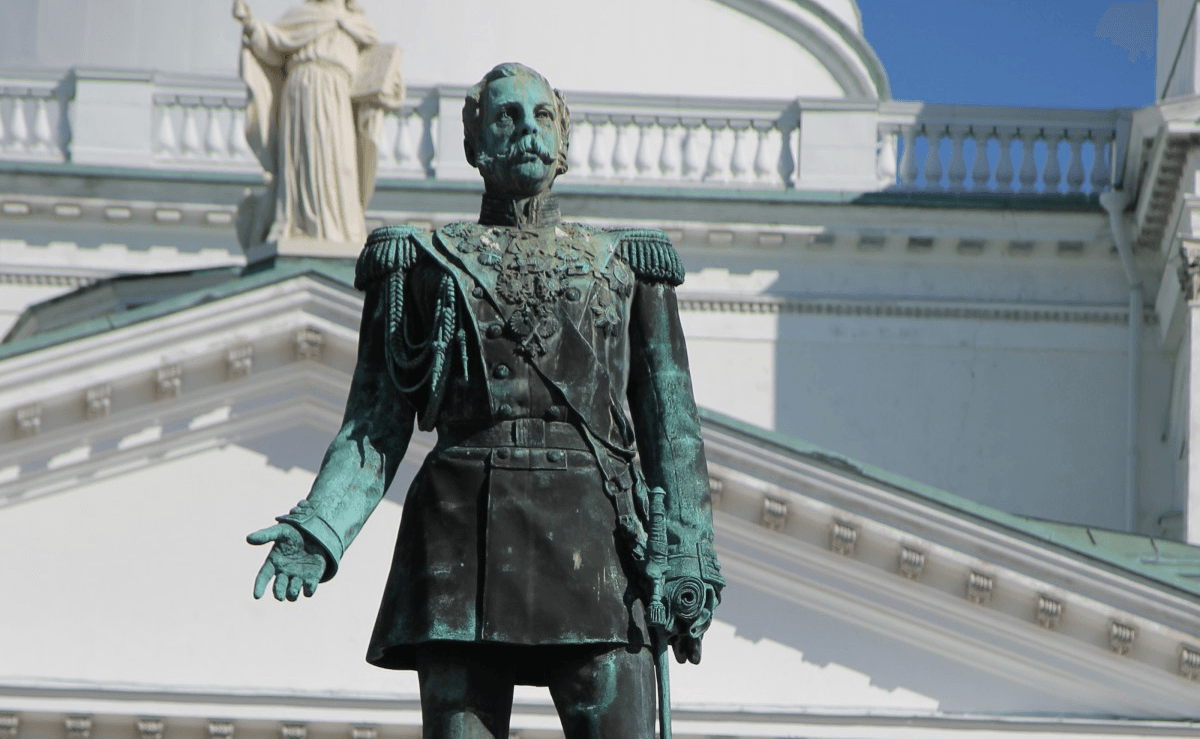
1159, 560
338, 272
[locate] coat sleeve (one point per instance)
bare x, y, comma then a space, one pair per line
663, 409
376, 429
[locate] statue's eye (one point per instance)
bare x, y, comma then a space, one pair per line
545, 114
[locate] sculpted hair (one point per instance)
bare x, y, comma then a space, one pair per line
472, 109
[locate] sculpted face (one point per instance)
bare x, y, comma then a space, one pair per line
519, 136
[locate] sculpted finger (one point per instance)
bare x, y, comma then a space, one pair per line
293, 588
265, 573
281, 583
310, 587
267, 535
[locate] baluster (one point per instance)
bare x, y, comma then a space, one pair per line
650, 142
745, 146
428, 149
694, 149
581, 145
1004, 165
1051, 171
166, 144
19, 130
789, 146
43, 134
237, 146
625, 148
214, 138
405, 150
908, 160
766, 158
3, 130
1075, 168
670, 163
956, 173
42, 139
717, 167
1100, 175
1028, 173
603, 140
981, 169
933, 160
190, 144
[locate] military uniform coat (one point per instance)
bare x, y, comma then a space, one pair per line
520, 346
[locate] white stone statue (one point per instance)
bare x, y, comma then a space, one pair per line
318, 82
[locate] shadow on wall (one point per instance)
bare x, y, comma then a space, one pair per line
887, 662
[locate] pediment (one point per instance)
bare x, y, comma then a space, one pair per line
851, 593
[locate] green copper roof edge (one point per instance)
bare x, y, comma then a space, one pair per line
251, 278
1165, 573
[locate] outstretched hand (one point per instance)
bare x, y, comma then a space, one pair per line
295, 563
241, 11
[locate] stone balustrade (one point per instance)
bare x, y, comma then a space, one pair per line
683, 142
662, 142
31, 115
191, 128
1047, 151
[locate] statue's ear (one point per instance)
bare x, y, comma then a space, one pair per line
469, 150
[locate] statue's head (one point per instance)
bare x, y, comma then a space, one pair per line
516, 129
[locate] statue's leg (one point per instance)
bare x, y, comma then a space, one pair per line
607, 694
463, 696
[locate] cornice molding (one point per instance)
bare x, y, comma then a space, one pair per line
874, 308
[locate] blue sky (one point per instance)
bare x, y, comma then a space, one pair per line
1016, 52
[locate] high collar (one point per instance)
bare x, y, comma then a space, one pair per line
539, 210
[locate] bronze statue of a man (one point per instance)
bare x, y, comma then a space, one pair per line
532, 548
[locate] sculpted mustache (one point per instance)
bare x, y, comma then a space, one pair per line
529, 145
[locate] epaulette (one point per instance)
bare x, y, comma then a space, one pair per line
389, 249
649, 253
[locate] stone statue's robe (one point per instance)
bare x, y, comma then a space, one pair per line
301, 121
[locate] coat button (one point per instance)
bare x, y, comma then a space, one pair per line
477, 292
573, 293
500, 371
555, 413
554, 455
501, 454
505, 410
495, 330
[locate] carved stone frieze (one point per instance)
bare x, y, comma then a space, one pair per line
220, 729
293, 731
29, 420
774, 514
1121, 637
168, 382
239, 362
310, 343
78, 727
842, 538
10, 724
150, 728
979, 588
912, 562
1049, 611
1189, 661
97, 402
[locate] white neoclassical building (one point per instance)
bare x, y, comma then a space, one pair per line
945, 355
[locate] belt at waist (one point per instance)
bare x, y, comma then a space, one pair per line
522, 432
